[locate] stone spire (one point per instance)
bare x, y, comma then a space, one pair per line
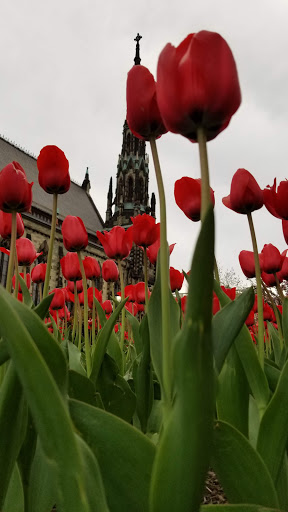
137, 59
86, 182
109, 202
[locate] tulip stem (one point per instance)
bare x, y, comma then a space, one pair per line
122, 334
279, 289
75, 319
205, 185
93, 313
12, 252
16, 275
51, 245
40, 291
276, 313
146, 278
165, 280
86, 330
259, 292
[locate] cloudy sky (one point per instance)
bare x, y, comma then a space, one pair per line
63, 79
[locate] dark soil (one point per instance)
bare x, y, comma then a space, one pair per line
213, 494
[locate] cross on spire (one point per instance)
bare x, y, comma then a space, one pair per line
137, 59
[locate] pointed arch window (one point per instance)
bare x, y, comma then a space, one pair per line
130, 189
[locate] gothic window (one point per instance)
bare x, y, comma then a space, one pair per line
141, 190
128, 142
130, 189
120, 191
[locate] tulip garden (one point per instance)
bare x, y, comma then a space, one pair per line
124, 403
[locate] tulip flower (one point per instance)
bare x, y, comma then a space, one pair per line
71, 287
272, 260
197, 85
245, 194
247, 263
183, 303
53, 168
152, 251
132, 308
276, 200
70, 267
58, 300
145, 230
130, 292
139, 292
143, 116
110, 272
284, 269
268, 279
268, 313
91, 267
230, 292
26, 252
176, 279
270, 199
15, 191
117, 243
38, 273
187, 192
26, 278
97, 294
107, 306
250, 319
6, 225
75, 237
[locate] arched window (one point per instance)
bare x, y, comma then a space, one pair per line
141, 190
130, 189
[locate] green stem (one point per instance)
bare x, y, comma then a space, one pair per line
165, 281
259, 292
16, 275
40, 291
205, 185
86, 330
279, 289
216, 271
276, 313
12, 252
75, 316
51, 245
146, 279
122, 334
93, 314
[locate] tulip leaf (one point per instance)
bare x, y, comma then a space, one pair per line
74, 356
233, 393
241, 470
81, 388
102, 341
15, 498
116, 394
273, 432
227, 323
47, 406
4, 354
272, 373
281, 485
13, 421
125, 456
184, 448
25, 292
144, 378
27, 452
42, 483
101, 313
255, 375
114, 350
43, 307
285, 321
155, 322
135, 329
275, 342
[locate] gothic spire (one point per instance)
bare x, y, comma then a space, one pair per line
137, 59
86, 183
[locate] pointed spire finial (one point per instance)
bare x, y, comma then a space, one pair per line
137, 59
87, 173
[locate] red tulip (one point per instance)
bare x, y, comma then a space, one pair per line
58, 300
143, 116
215, 305
70, 267
183, 303
132, 308
197, 85
27, 280
107, 306
152, 251
110, 272
245, 194
284, 269
38, 273
26, 252
268, 279
97, 294
117, 243
75, 237
187, 192
81, 298
176, 279
130, 292
15, 191
62, 312
91, 267
285, 230
272, 260
250, 319
145, 230
79, 286
268, 313
6, 225
269, 196
53, 168
139, 292
230, 292
247, 263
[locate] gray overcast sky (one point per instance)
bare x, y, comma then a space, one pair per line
63, 79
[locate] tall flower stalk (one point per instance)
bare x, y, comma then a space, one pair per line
12, 252
86, 331
51, 245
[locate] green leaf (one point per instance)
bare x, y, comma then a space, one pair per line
155, 323
25, 292
101, 312
81, 388
124, 454
233, 393
102, 341
273, 431
115, 391
135, 329
285, 321
26, 455
43, 307
184, 448
74, 356
275, 342
249, 359
272, 373
42, 483
114, 350
47, 407
144, 378
15, 498
227, 323
281, 485
13, 421
4, 354
240, 469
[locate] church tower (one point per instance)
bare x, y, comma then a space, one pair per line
131, 194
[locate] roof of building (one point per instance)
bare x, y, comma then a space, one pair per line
75, 202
